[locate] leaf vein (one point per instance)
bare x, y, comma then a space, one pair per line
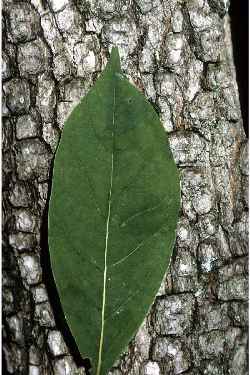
106, 244
122, 305
150, 209
137, 247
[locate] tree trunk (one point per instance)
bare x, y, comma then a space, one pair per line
179, 54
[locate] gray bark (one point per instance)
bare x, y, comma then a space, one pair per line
179, 54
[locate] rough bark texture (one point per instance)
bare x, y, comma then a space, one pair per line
179, 54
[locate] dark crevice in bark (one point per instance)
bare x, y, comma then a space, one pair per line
4, 367
239, 25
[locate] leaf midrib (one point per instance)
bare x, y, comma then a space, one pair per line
106, 239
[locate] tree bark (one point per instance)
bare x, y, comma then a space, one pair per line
179, 54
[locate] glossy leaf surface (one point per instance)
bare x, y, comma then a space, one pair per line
112, 215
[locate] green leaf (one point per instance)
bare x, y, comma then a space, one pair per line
112, 215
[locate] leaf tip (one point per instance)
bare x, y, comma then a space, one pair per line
115, 60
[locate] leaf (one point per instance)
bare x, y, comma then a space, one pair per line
112, 215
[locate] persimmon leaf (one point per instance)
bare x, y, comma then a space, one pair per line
112, 215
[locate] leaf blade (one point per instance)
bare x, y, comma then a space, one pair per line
119, 168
